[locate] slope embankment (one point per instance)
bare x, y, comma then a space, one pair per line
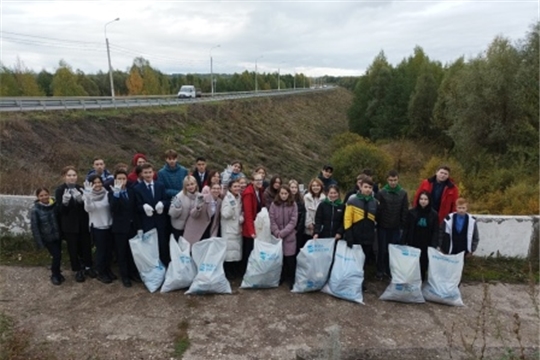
287, 134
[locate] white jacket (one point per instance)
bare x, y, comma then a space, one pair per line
231, 226
180, 215
311, 209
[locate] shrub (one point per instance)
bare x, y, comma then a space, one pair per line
350, 160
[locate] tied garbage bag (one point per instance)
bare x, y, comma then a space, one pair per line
181, 270
262, 225
144, 248
313, 265
406, 278
347, 274
444, 276
208, 256
264, 264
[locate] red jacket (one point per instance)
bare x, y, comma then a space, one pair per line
448, 198
249, 205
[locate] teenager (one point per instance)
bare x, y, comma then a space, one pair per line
46, 232
252, 203
392, 211
96, 204
421, 229
152, 206
329, 216
312, 199
443, 191
136, 163
261, 170
200, 173
99, 169
283, 216
172, 174
231, 228
271, 191
326, 177
182, 205
204, 219
124, 225
459, 231
73, 221
233, 171
301, 219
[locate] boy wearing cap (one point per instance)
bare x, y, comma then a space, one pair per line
326, 177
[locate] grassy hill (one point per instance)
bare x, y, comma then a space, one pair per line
287, 134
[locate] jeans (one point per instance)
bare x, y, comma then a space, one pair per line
385, 237
55, 249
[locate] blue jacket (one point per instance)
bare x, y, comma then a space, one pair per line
172, 178
144, 196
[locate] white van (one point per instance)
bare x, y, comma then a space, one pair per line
187, 91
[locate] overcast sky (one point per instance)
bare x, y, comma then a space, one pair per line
313, 37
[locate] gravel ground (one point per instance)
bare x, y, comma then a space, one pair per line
91, 320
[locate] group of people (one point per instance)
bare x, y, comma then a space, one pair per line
108, 209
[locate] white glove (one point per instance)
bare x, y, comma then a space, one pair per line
229, 169
148, 210
88, 187
77, 195
241, 219
66, 197
159, 207
176, 202
117, 187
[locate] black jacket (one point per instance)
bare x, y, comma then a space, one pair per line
44, 224
421, 233
329, 219
72, 217
301, 223
123, 211
392, 209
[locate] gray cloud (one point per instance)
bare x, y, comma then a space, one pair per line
330, 37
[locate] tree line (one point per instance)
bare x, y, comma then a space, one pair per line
140, 79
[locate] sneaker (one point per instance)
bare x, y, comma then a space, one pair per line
126, 282
79, 276
91, 273
104, 278
55, 279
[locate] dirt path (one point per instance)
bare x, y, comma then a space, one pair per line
96, 321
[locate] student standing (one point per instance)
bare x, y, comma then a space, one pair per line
283, 216
182, 206
152, 206
421, 229
99, 169
231, 228
124, 227
46, 231
233, 171
301, 219
392, 211
252, 203
96, 204
172, 174
360, 217
459, 231
204, 219
326, 177
200, 173
312, 199
271, 191
73, 221
329, 216
443, 191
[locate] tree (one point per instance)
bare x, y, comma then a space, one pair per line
65, 83
89, 86
421, 107
44, 80
134, 82
8, 83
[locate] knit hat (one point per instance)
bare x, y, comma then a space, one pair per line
136, 157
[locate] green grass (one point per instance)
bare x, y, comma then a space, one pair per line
500, 269
21, 251
181, 342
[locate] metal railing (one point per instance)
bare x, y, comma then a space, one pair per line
93, 102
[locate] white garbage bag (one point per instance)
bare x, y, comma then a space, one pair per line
313, 265
262, 225
181, 270
264, 264
209, 255
347, 274
406, 278
144, 248
444, 276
